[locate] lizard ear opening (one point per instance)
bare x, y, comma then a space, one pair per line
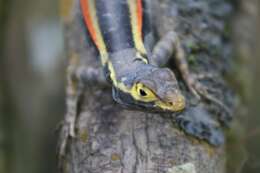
142, 93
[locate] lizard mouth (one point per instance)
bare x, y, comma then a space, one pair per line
176, 104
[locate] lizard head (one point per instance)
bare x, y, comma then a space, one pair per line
153, 89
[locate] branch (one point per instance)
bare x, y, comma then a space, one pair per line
112, 139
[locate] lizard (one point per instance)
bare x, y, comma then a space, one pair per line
131, 62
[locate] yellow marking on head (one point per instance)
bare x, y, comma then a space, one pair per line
177, 105
115, 82
112, 73
142, 93
137, 34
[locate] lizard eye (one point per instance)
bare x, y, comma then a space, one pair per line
142, 93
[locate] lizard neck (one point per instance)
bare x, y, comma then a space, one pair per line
116, 28
123, 67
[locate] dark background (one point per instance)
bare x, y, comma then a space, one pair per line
32, 82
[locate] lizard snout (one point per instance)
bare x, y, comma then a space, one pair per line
172, 102
176, 102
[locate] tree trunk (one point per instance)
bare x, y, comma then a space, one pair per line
113, 139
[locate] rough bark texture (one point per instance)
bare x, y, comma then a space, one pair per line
112, 139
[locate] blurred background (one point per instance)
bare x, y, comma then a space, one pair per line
32, 73
32, 80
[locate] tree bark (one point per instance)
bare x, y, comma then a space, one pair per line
113, 139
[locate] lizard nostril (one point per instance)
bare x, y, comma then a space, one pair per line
178, 103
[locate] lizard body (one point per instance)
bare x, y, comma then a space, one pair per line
122, 32
118, 31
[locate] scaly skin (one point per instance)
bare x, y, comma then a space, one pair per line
121, 31
116, 28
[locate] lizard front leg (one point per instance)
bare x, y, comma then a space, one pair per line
77, 80
170, 44
91, 75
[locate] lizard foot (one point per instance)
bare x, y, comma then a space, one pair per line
67, 132
200, 91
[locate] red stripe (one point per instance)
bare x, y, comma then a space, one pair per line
88, 20
139, 16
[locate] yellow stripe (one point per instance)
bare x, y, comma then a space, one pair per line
103, 50
134, 23
102, 46
101, 43
137, 36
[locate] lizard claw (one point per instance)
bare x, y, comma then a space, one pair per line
200, 91
62, 146
194, 86
68, 131
194, 91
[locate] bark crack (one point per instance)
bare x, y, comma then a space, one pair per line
122, 155
136, 153
147, 133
